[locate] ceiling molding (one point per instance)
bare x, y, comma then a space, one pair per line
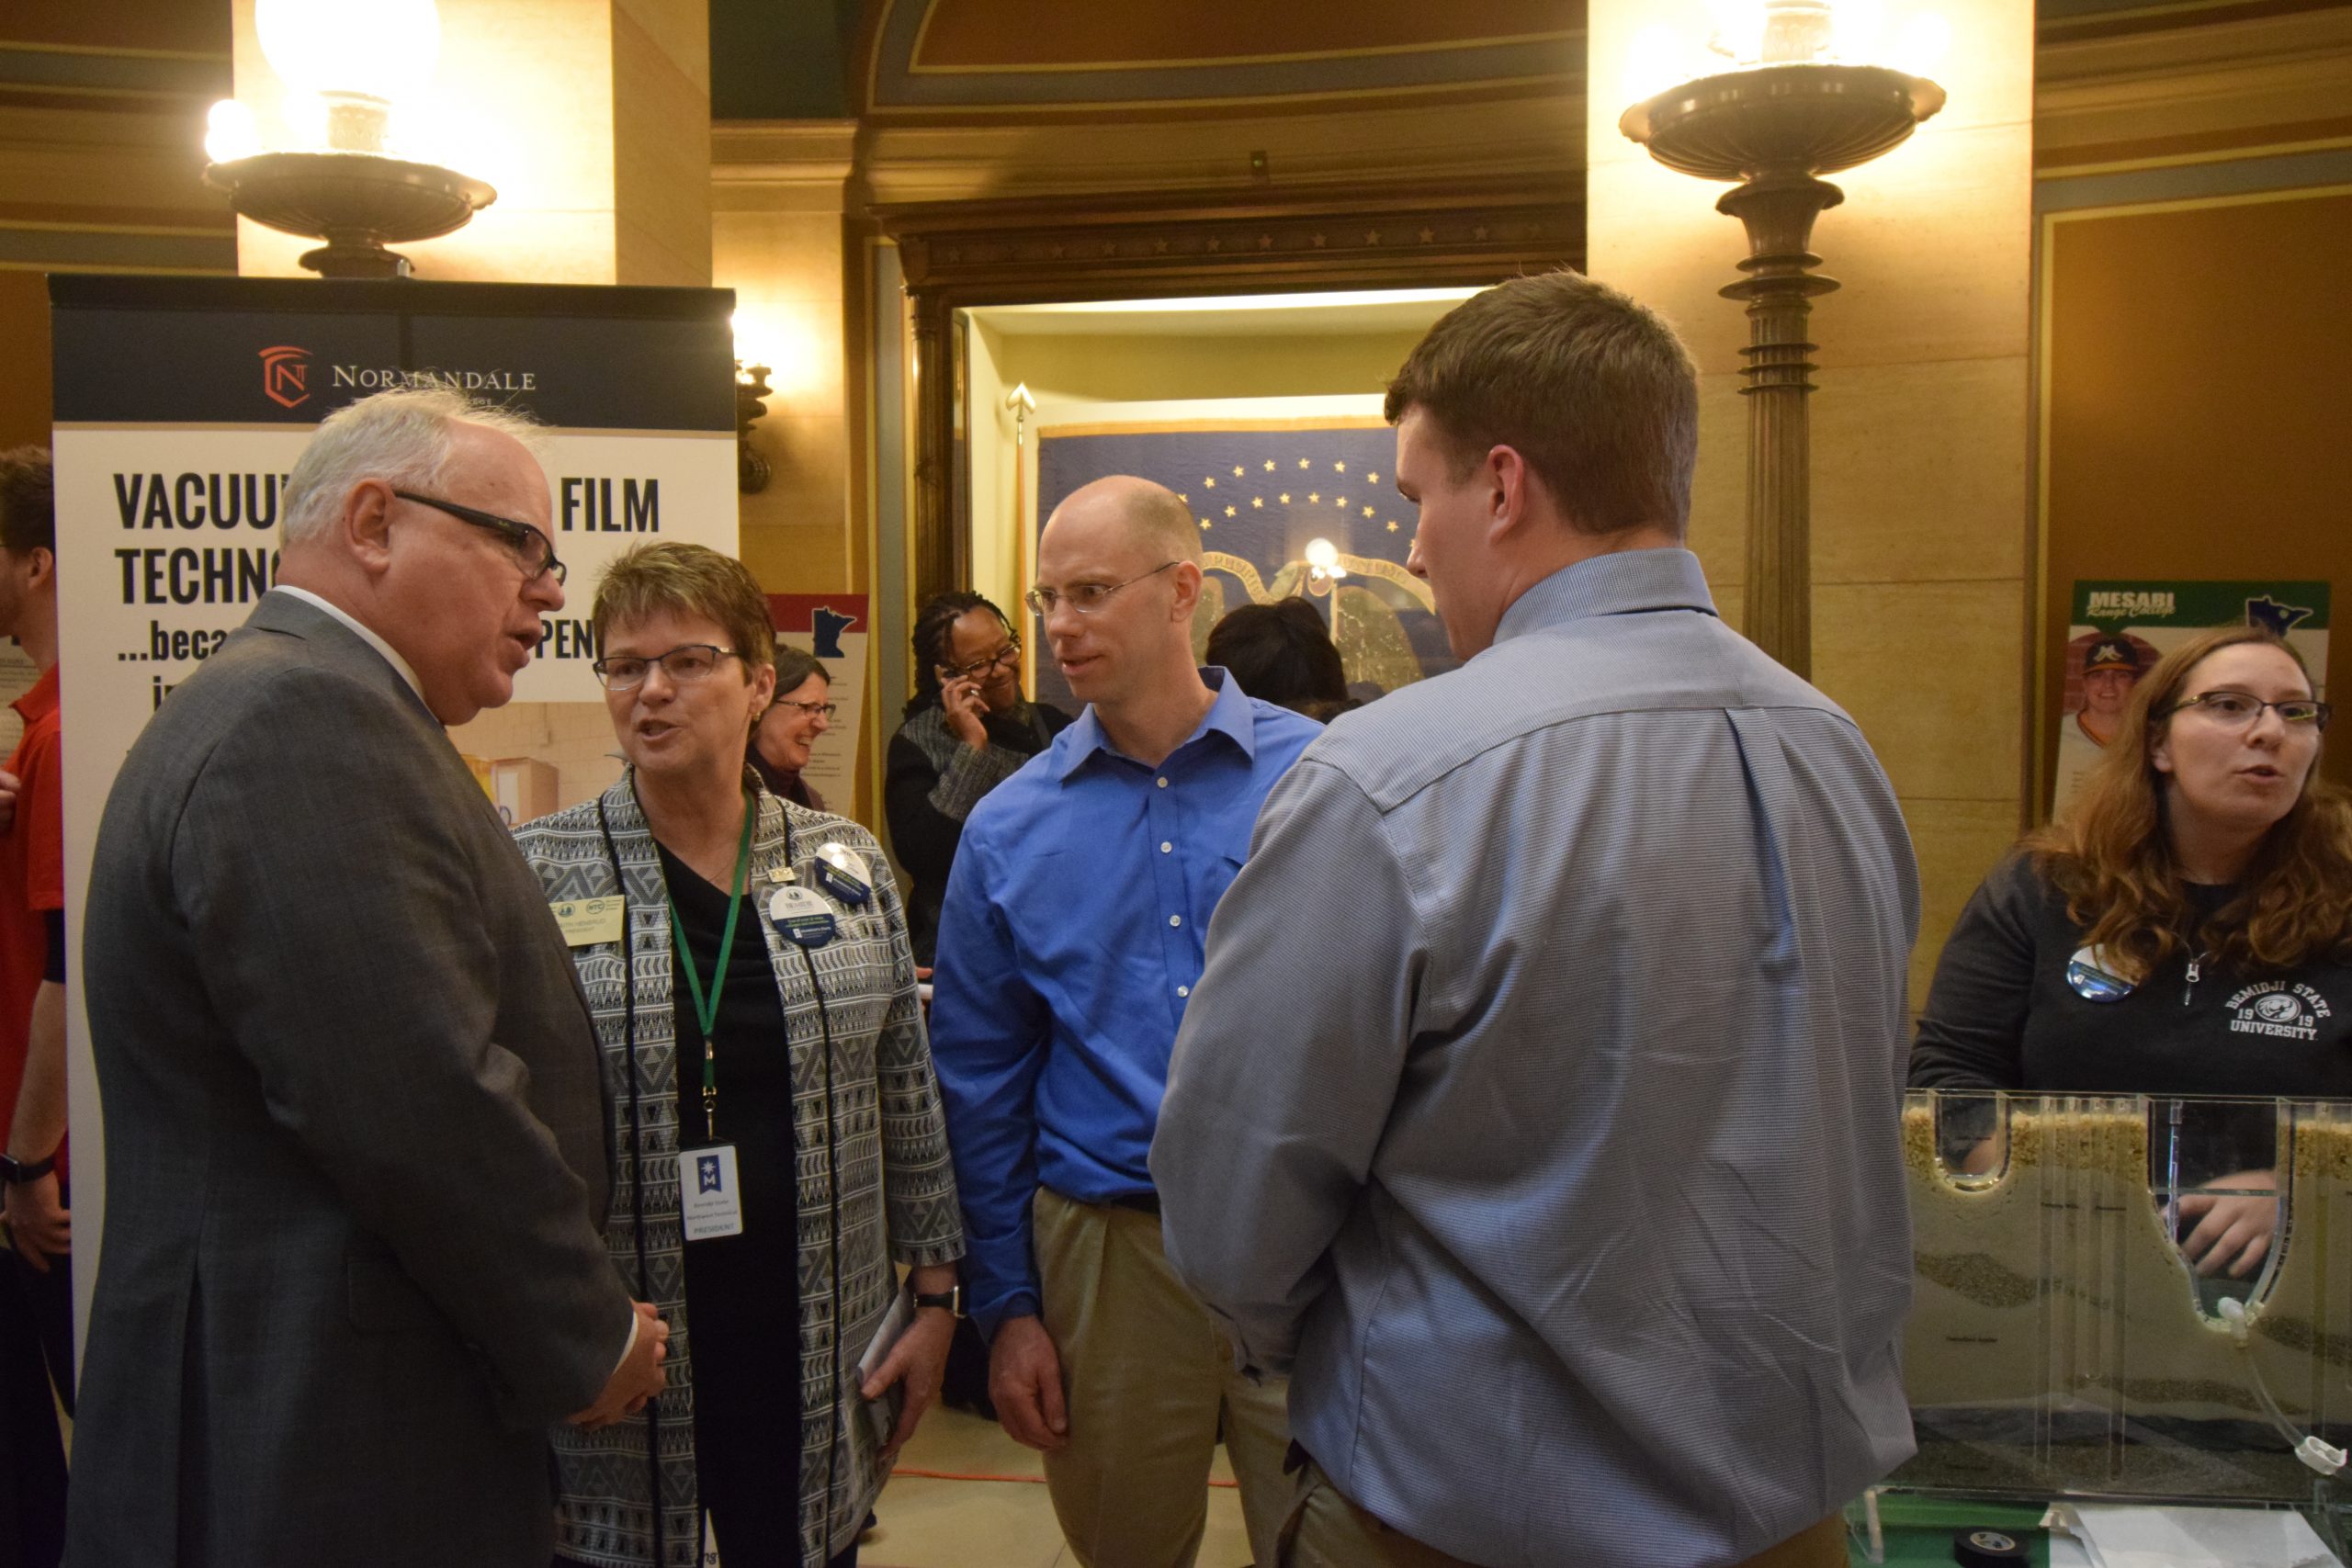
1005, 252
2239, 75
1537, 141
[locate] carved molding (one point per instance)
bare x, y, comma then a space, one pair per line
2245, 74
978, 252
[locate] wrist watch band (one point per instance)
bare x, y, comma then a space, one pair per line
16, 1172
952, 1299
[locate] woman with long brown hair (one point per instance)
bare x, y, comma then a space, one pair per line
2184, 928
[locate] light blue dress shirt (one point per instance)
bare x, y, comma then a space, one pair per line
1070, 943
1539, 1108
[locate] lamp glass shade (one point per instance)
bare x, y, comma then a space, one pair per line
377, 48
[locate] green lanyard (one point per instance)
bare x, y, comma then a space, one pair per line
706, 1012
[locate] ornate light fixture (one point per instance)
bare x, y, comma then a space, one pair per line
1798, 102
751, 392
346, 64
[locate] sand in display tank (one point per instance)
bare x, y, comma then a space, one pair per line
2056, 1343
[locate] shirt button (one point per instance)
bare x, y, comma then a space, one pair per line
1184, 990
1163, 784
1175, 920
1166, 847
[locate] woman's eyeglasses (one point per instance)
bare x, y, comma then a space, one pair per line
685, 664
1008, 654
2235, 710
814, 710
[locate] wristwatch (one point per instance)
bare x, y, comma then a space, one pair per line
16, 1172
952, 1298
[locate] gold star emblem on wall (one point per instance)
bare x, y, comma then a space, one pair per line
1339, 467
1372, 479
1257, 503
1209, 480
1181, 496
1302, 462
1367, 512
1228, 512
1283, 497
1314, 496
1236, 470
1270, 465
1205, 524
1392, 525
1341, 501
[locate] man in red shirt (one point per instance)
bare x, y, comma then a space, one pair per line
39, 1302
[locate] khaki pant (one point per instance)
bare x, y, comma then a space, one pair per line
1150, 1383
1326, 1530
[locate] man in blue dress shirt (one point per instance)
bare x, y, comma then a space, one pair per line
1070, 943
1539, 1110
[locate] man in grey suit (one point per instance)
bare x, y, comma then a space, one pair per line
354, 1131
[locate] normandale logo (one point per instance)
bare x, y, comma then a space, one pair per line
285, 375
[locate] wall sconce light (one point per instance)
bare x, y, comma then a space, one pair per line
347, 64
751, 391
1792, 96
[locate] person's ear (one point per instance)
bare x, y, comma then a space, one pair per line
1505, 477
2160, 751
763, 692
1189, 581
366, 524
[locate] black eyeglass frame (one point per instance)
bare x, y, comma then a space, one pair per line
604, 674
520, 535
2318, 721
1008, 654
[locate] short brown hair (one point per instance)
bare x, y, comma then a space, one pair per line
2111, 858
1593, 391
688, 579
28, 502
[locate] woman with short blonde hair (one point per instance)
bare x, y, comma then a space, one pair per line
777, 1125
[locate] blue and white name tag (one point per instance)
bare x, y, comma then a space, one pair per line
2091, 975
844, 874
802, 917
708, 1204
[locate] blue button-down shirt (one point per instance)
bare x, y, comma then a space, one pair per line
1070, 940
1540, 1106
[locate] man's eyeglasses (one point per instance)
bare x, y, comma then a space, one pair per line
533, 547
813, 710
2235, 710
1086, 598
685, 664
1008, 654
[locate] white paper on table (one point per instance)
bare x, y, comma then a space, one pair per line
2122, 1536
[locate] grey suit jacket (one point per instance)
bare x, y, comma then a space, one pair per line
352, 1131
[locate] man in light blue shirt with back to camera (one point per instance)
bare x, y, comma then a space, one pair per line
1538, 1109
1070, 944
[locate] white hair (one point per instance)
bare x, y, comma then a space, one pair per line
405, 437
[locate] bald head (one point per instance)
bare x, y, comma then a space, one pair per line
1145, 515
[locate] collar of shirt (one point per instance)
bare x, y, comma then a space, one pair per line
1230, 714
366, 636
42, 701
1625, 583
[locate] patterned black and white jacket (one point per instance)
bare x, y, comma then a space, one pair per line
887, 1115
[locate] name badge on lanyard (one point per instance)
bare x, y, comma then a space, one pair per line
708, 1202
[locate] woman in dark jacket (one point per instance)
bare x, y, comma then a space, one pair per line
967, 730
